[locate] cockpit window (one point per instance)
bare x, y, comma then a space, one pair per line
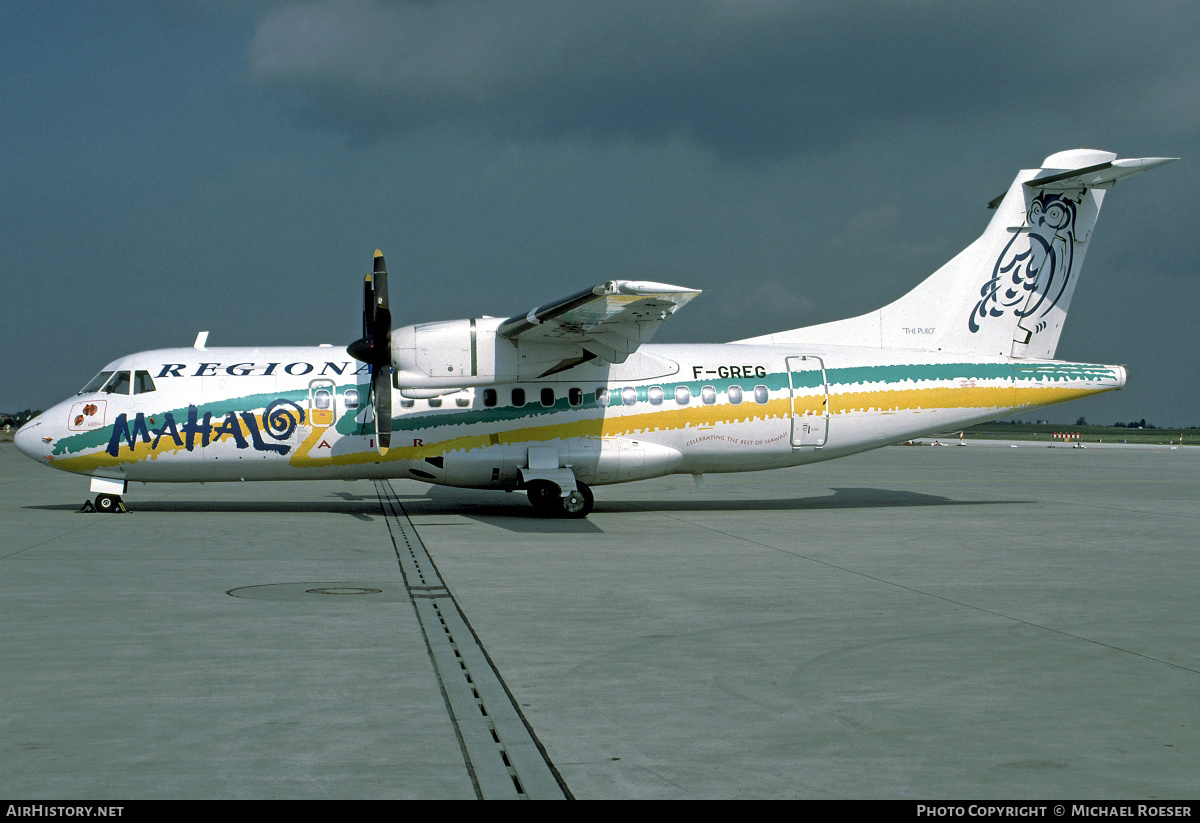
117, 384
142, 382
96, 382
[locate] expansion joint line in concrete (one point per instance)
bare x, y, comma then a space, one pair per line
502, 755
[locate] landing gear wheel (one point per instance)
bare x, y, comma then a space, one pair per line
578, 503
543, 496
109, 503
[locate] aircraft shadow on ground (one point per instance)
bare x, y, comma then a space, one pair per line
513, 512
516, 514
854, 497
367, 509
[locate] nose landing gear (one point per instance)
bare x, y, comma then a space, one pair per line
105, 504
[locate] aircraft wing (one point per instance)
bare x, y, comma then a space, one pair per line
609, 321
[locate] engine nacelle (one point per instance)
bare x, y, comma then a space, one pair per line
453, 353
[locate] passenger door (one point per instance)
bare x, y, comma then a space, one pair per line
810, 400
322, 402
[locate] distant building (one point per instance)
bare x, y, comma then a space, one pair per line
18, 419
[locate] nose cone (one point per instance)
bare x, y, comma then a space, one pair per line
28, 438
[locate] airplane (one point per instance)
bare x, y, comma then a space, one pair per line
572, 394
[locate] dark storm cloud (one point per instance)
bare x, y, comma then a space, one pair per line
745, 80
856, 145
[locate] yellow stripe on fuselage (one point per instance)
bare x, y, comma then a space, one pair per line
881, 400
624, 425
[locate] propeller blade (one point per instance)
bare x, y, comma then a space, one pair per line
381, 388
381, 328
379, 274
368, 306
375, 348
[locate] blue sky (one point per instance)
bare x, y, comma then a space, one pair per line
231, 166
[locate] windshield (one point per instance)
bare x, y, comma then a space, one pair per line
119, 384
96, 382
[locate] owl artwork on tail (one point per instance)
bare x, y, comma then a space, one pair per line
1032, 272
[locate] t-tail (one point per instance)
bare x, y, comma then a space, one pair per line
1007, 293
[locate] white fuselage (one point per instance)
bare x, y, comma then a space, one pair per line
304, 413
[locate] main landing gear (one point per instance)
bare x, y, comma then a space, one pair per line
548, 500
105, 504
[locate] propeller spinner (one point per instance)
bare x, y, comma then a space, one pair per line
375, 349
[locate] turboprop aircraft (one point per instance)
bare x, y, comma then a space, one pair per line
573, 395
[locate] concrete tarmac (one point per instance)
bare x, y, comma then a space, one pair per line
977, 622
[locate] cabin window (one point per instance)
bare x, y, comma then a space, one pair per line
435, 402
321, 399
761, 394
547, 397
682, 395
518, 397
118, 384
489, 397
96, 382
462, 401
350, 398
575, 396
735, 394
142, 384
601, 397
407, 402
629, 395
655, 395
708, 395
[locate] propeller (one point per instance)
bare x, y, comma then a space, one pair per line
375, 349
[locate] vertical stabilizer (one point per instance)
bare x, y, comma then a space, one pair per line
1006, 294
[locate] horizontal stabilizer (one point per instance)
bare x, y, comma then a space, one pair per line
1099, 175
1085, 169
